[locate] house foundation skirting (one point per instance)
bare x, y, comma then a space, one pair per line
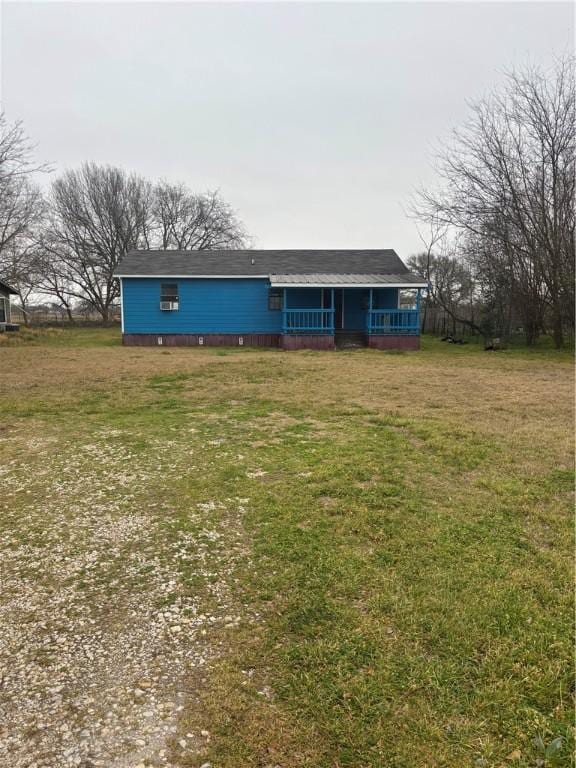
286, 341
200, 339
313, 341
376, 341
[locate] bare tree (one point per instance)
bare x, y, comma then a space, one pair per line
187, 221
451, 286
52, 276
21, 204
436, 234
19, 268
509, 180
98, 213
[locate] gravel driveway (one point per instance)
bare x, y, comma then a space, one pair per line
102, 638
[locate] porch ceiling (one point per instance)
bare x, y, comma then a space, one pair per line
406, 280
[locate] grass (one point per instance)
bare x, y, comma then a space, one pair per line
65, 335
409, 523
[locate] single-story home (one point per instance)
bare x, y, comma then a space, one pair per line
291, 299
5, 318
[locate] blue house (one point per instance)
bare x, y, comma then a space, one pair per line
291, 299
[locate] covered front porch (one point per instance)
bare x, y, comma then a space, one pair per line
372, 316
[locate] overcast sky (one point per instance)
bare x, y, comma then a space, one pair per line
316, 121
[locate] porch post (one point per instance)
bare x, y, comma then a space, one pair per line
284, 308
418, 310
370, 310
332, 308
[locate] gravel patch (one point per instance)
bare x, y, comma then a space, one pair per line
99, 634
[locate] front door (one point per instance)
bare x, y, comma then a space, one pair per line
3, 312
355, 306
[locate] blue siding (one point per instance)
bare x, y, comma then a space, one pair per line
304, 298
231, 305
206, 306
385, 298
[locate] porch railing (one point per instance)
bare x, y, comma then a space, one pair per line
308, 321
379, 321
400, 321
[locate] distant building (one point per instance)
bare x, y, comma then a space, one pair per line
291, 299
6, 323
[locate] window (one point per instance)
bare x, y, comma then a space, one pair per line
169, 292
275, 298
169, 296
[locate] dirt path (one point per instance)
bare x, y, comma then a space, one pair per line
98, 632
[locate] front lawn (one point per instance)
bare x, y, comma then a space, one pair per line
367, 556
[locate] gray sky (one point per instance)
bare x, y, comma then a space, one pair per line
316, 121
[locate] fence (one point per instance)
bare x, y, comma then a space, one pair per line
43, 315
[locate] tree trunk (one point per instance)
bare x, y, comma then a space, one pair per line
507, 310
557, 330
23, 306
531, 332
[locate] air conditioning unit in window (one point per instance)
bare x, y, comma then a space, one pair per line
167, 306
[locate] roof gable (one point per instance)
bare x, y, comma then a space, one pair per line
253, 263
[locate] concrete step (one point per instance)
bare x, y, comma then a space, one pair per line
350, 339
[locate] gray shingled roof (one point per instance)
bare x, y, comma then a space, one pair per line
407, 278
252, 262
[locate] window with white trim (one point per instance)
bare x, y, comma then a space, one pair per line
169, 296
